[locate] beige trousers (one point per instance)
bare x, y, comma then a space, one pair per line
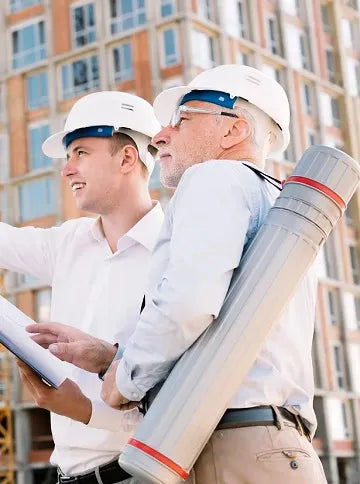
258, 455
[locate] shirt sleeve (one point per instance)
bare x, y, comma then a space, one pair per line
29, 250
211, 214
107, 418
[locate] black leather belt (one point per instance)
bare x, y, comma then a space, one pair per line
109, 474
258, 416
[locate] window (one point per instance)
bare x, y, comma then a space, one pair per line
42, 305
330, 257
273, 72
37, 90
335, 111
154, 183
206, 9
16, 5
123, 65
126, 14
308, 99
330, 62
354, 34
292, 7
27, 280
170, 55
83, 25
37, 135
80, 76
357, 77
243, 18
167, 8
345, 419
357, 310
242, 58
350, 211
339, 421
28, 45
339, 366
325, 17
311, 138
333, 306
355, 265
353, 4
305, 51
203, 49
36, 198
273, 35
4, 163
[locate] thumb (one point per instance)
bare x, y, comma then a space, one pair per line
64, 351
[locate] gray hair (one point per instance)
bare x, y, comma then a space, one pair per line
263, 129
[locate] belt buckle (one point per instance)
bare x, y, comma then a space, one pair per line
68, 479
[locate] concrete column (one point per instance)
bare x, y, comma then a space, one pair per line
23, 446
152, 14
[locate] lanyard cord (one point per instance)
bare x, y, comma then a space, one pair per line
265, 176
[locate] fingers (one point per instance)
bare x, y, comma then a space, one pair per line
44, 340
65, 351
53, 328
129, 406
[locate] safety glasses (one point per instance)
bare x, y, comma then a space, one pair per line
176, 117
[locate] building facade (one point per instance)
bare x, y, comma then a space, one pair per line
55, 51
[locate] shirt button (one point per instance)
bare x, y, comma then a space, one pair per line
135, 395
294, 464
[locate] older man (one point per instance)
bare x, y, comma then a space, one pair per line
218, 132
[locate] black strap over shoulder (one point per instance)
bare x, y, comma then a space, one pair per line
265, 176
142, 305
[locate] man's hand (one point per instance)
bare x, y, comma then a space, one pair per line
75, 346
67, 400
110, 393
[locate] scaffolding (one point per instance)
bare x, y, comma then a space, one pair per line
6, 434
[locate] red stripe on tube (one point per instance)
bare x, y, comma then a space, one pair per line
160, 457
319, 186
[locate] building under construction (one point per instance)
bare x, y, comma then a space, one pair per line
55, 51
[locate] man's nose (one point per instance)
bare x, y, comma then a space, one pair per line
69, 168
162, 137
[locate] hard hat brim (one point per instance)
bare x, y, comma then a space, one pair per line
53, 146
167, 101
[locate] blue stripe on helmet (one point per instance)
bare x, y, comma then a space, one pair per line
88, 132
214, 97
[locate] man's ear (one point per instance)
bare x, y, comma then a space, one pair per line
130, 157
239, 131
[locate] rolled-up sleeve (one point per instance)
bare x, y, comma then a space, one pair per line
208, 223
105, 417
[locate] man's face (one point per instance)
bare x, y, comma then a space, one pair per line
195, 140
93, 174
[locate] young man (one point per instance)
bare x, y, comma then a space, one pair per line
225, 116
97, 267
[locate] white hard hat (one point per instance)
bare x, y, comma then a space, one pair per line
238, 81
122, 111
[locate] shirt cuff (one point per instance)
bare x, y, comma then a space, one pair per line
107, 418
125, 385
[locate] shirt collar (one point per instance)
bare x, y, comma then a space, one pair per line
145, 231
97, 230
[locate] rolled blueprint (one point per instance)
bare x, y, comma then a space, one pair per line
198, 390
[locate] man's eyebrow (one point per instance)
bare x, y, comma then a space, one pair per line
77, 148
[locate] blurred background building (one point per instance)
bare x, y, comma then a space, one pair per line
54, 51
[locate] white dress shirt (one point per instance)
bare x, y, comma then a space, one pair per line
99, 292
215, 212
